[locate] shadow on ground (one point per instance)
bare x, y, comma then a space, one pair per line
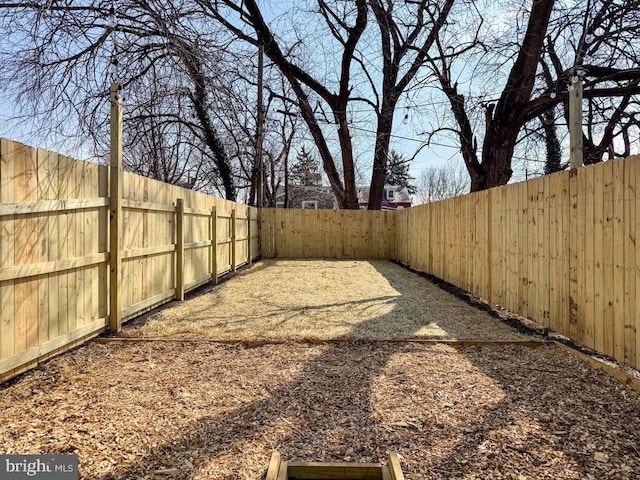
468, 413
325, 299
519, 417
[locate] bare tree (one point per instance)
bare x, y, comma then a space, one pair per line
58, 58
604, 46
538, 80
406, 32
438, 183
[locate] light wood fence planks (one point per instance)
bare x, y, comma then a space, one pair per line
54, 249
559, 249
339, 234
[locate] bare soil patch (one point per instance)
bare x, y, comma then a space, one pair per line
176, 410
296, 299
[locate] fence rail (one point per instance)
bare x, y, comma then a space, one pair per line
55, 249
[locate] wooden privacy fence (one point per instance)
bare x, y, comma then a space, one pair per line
55, 252
560, 250
296, 233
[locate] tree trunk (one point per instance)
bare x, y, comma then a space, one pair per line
381, 154
348, 167
498, 170
193, 63
504, 122
215, 145
553, 161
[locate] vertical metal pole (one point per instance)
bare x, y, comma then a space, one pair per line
115, 209
575, 122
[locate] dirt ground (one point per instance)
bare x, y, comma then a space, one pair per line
324, 299
179, 409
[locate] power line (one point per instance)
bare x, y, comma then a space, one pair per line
406, 138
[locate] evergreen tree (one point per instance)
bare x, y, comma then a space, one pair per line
306, 171
397, 174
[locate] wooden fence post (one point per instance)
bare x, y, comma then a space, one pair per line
249, 235
233, 240
259, 224
180, 249
115, 209
214, 245
575, 121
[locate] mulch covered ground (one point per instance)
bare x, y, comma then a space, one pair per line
209, 411
195, 409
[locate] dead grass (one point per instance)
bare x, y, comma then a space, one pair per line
215, 412
325, 300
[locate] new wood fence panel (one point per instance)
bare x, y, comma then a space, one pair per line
591, 300
618, 259
499, 255
297, 233
607, 328
255, 232
402, 237
53, 301
560, 250
7, 255
54, 250
631, 262
224, 241
634, 321
512, 250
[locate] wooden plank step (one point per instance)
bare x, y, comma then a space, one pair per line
334, 471
283, 470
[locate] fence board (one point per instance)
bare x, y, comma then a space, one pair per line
630, 261
634, 314
618, 259
592, 310
607, 260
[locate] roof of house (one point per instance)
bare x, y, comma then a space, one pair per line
325, 193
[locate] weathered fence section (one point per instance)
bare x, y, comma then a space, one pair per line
54, 249
560, 250
298, 233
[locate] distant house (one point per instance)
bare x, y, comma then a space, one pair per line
394, 198
303, 196
322, 197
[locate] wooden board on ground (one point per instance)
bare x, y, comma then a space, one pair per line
282, 470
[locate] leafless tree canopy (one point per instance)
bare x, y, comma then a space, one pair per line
335, 69
438, 183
